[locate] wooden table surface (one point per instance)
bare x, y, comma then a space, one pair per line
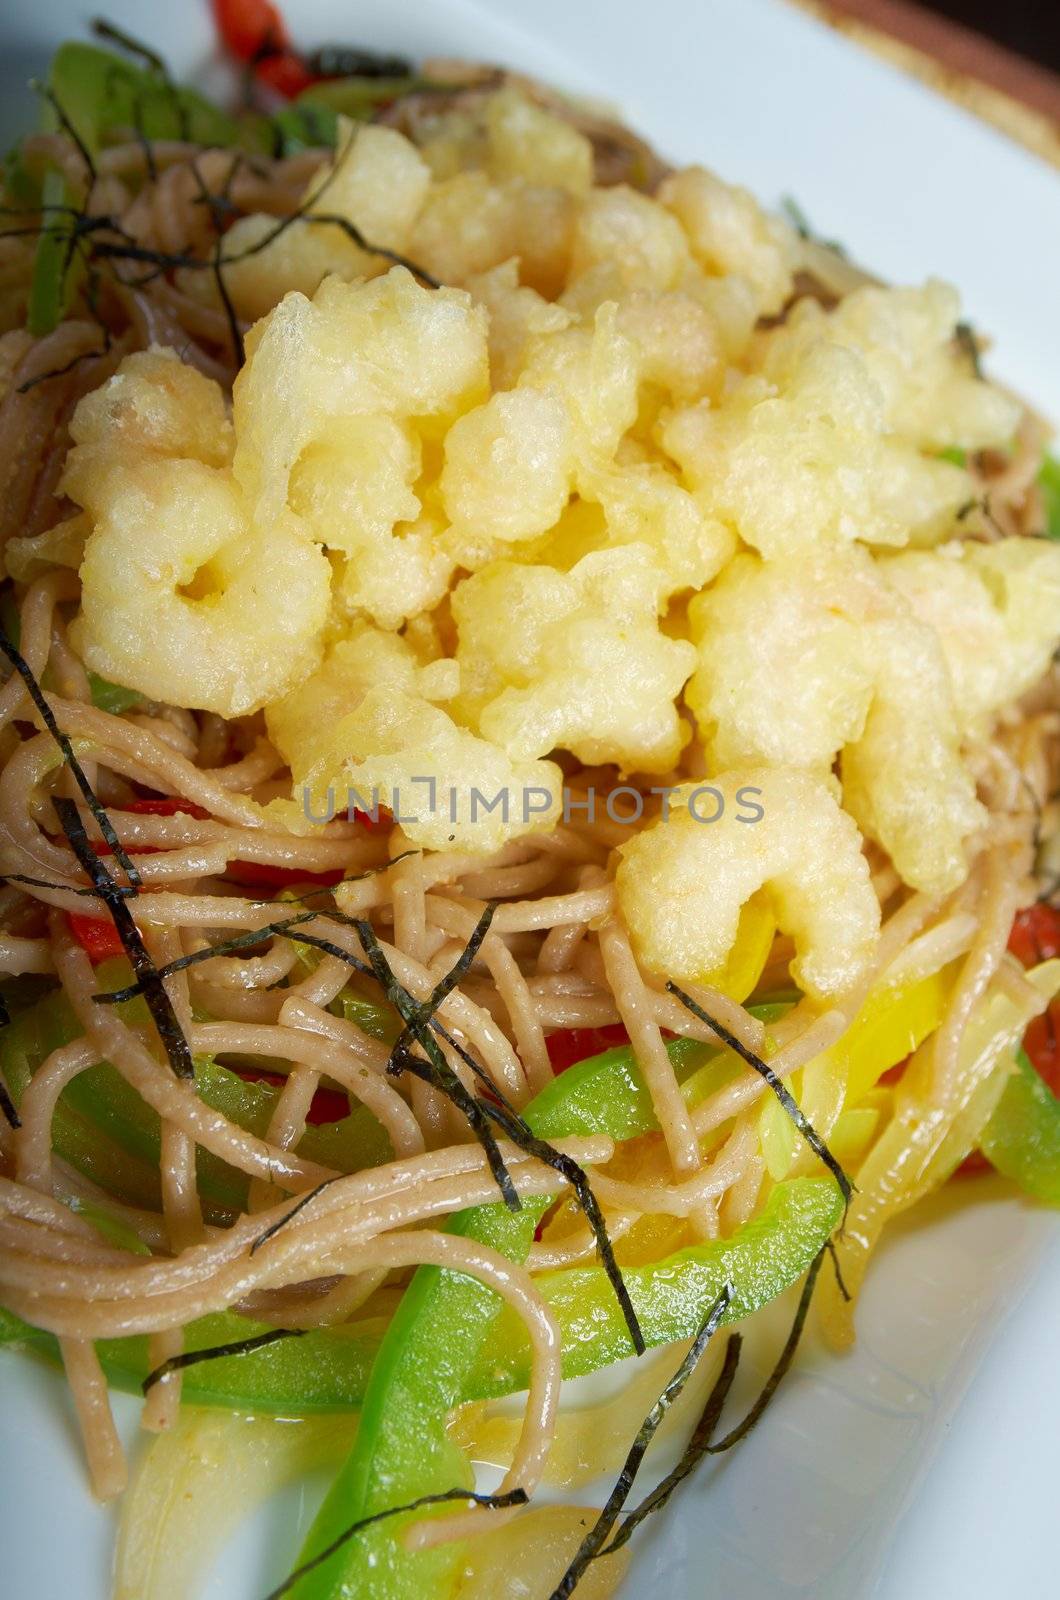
1016, 95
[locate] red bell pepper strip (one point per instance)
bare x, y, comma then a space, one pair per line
1021, 1139
166, 805
247, 25
568, 1045
97, 936
262, 875
328, 1105
1035, 935
255, 33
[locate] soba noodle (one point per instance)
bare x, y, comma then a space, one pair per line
557, 955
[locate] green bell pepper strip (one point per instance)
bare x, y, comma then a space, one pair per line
54, 271
448, 1342
305, 126
358, 98
324, 1370
112, 697
328, 1369
104, 1129
1049, 487
312, 118
609, 1087
1022, 1138
99, 93
668, 1296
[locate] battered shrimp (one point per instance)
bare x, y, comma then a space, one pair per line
681, 883
541, 653
183, 597
801, 663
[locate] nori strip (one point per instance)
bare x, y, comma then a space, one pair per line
829, 1245
239, 1347
154, 991
592, 1545
351, 61
36, 694
61, 888
436, 1070
239, 941
303, 1201
218, 206
784, 1360
426, 1008
696, 1449
48, 93
783, 1094
329, 888
7, 1105
495, 1502
115, 35
967, 342
510, 1122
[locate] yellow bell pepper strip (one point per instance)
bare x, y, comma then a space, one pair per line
929, 1134
326, 1369
447, 1342
781, 1091
894, 1020
1022, 1138
747, 959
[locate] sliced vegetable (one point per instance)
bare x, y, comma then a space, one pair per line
609, 1088
101, 95
448, 1339
249, 26
325, 1370
760, 1260
359, 98
254, 32
53, 267
112, 697
97, 936
103, 1128
1022, 1138
930, 1133
568, 1045
1049, 488
747, 959
262, 875
199, 1482
1042, 1045
1035, 934
305, 126
893, 1021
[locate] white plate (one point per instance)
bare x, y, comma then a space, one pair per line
922, 1464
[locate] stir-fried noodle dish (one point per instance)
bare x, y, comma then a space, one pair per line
529, 750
